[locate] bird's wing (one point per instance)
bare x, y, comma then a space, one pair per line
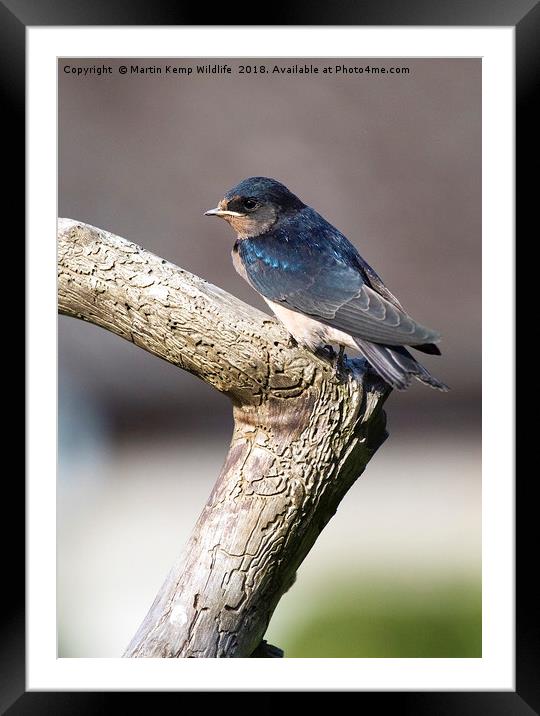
317, 273
376, 282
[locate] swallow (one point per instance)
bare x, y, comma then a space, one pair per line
317, 284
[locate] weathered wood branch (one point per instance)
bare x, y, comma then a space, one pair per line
303, 434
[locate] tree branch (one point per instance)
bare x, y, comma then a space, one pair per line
303, 434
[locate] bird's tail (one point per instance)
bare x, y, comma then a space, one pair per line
396, 366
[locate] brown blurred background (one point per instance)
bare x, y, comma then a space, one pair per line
394, 161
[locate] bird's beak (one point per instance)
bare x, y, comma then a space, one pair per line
221, 212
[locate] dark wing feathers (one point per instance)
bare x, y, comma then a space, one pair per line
376, 282
374, 318
397, 366
310, 267
429, 348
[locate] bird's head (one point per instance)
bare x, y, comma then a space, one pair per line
255, 205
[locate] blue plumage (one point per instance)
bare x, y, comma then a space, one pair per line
304, 267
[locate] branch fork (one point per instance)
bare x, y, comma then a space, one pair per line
303, 433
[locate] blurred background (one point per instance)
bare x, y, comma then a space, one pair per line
392, 160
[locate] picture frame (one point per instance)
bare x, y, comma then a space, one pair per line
16, 17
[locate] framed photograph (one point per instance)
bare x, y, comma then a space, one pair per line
335, 153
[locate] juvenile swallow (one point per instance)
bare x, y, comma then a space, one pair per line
318, 285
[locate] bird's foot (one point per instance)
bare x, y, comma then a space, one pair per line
292, 342
326, 352
340, 362
336, 360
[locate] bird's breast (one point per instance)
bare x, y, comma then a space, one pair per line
238, 263
308, 331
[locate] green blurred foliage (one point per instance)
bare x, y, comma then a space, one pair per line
390, 620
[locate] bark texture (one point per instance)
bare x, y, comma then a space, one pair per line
303, 433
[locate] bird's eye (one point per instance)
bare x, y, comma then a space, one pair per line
250, 204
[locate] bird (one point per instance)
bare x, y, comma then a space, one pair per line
317, 284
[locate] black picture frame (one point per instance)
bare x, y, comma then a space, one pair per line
524, 15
